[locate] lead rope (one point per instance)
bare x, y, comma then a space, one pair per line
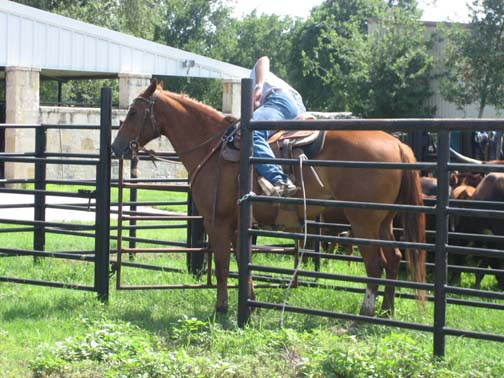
302, 157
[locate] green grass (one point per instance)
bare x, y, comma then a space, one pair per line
48, 332
144, 195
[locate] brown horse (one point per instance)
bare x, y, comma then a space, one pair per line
195, 131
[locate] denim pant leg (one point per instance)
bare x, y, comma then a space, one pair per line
271, 172
261, 148
278, 106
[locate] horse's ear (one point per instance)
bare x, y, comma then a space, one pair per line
161, 85
152, 88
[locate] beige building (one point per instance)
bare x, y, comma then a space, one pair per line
444, 109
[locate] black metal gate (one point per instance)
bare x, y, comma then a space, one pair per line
98, 200
194, 247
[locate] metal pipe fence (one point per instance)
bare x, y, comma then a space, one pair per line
194, 247
98, 196
40, 227
441, 292
442, 244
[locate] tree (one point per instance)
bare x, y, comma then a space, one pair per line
474, 56
202, 27
382, 74
269, 35
400, 68
325, 58
207, 28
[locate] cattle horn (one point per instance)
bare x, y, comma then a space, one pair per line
464, 159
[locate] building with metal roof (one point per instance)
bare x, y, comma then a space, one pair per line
35, 43
62, 47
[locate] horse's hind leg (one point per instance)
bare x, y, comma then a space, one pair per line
374, 262
392, 262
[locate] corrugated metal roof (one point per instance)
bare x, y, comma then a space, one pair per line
30, 37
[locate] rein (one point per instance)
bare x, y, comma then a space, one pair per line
134, 145
222, 137
152, 154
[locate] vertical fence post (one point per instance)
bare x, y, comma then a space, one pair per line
441, 258
102, 233
245, 220
40, 187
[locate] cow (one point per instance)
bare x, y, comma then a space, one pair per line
491, 188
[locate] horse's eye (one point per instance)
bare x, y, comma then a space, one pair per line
132, 112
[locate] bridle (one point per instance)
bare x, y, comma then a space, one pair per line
134, 144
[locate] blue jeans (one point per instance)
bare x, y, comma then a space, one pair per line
280, 105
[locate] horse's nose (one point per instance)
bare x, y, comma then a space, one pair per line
116, 152
121, 150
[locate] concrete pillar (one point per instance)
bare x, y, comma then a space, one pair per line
130, 85
231, 97
22, 97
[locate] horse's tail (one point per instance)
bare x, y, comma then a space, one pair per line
413, 224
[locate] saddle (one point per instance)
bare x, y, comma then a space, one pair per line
282, 142
291, 144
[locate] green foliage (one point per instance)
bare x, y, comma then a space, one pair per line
199, 26
50, 5
328, 46
474, 55
78, 92
400, 69
189, 331
202, 27
259, 35
120, 349
384, 74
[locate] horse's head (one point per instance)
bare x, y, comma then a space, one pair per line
140, 125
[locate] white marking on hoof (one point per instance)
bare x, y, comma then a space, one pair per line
369, 304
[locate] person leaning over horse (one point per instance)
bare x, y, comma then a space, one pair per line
274, 99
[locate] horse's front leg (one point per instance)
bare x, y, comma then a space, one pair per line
220, 243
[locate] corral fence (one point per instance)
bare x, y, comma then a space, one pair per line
107, 260
92, 197
441, 293
194, 247
34, 194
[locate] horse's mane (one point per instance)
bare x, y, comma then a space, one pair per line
196, 105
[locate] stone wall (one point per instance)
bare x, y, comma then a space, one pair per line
88, 142
22, 95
